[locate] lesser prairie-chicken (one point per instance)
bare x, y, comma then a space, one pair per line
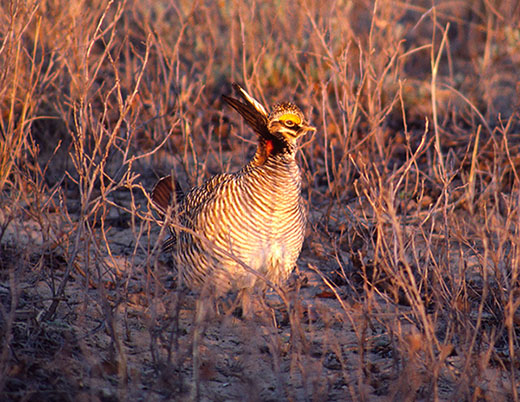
254, 216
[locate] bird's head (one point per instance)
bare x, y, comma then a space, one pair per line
287, 122
278, 130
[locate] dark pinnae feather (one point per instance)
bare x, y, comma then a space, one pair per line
253, 115
257, 122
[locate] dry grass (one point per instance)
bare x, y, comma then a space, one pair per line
409, 281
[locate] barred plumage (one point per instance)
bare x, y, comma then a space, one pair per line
256, 214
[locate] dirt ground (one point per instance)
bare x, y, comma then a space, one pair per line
122, 331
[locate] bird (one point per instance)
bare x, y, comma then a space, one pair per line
244, 230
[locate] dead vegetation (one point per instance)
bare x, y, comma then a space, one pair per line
408, 285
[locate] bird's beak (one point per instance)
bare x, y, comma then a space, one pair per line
305, 129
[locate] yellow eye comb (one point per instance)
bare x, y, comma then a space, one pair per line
291, 116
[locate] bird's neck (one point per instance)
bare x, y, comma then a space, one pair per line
274, 152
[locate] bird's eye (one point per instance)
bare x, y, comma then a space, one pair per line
289, 123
